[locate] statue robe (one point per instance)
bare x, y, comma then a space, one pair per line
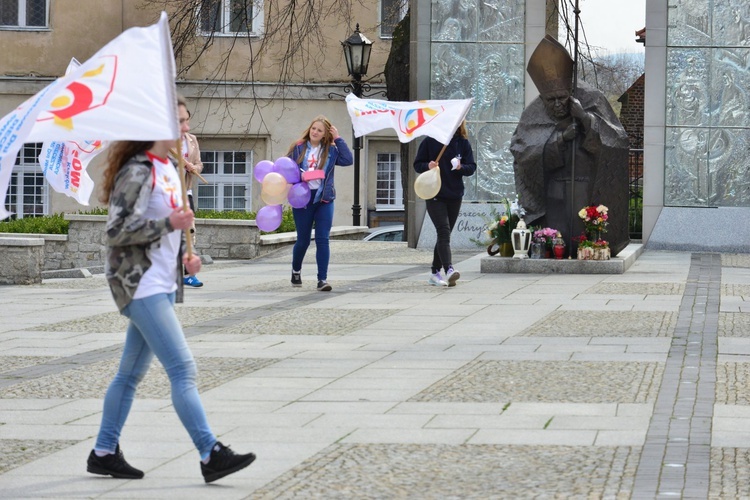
543, 168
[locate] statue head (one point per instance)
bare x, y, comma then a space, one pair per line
551, 69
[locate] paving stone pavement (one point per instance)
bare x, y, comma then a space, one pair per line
505, 386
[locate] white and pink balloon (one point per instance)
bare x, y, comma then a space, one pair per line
280, 181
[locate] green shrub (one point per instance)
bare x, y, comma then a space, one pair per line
49, 224
56, 224
229, 214
287, 220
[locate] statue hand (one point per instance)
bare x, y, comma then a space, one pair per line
570, 132
576, 109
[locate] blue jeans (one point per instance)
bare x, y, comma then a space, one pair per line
322, 215
154, 329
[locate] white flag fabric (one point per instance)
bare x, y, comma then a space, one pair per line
436, 119
125, 91
64, 163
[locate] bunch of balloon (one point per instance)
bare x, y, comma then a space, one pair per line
280, 182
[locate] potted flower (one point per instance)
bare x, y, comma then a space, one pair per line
591, 246
501, 228
593, 250
544, 236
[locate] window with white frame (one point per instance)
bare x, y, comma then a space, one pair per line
23, 13
27, 192
388, 191
230, 17
229, 181
391, 12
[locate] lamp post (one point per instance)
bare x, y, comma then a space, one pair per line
357, 55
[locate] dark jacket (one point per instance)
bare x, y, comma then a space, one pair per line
338, 154
452, 182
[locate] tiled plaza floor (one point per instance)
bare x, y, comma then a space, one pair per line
506, 386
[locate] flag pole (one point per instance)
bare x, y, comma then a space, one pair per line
573, 211
183, 184
441, 153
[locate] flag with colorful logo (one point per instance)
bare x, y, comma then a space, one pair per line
436, 119
125, 91
64, 163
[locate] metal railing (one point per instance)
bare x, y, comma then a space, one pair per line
635, 194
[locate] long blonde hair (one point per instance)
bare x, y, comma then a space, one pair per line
461, 131
118, 156
325, 142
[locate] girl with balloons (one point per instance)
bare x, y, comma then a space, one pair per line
316, 154
455, 161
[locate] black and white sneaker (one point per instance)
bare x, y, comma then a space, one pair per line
113, 465
223, 462
296, 279
323, 286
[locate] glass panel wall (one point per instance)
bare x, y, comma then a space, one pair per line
708, 80
477, 51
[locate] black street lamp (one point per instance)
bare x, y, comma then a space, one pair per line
357, 54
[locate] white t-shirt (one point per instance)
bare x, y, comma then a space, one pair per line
312, 158
161, 277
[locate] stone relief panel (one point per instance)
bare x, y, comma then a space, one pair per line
477, 51
494, 177
498, 88
501, 21
707, 167
728, 93
452, 70
731, 23
687, 87
689, 23
454, 20
708, 104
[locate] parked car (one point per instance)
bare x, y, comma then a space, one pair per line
385, 233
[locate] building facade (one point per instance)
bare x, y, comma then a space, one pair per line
249, 100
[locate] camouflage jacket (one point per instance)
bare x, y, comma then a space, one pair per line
130, 235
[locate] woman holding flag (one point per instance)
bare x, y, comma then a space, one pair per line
145, 239
455, 161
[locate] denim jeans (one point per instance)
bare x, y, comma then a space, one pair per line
443, 214
322, 215
154, 329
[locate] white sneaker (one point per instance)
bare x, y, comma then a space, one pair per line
437, 280
452, 276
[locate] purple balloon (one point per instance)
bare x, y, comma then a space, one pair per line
268, 218
288, 168
261, 169
299, 195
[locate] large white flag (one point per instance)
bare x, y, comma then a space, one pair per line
126, 91
64, 164
436, 119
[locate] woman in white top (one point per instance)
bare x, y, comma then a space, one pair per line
317, 152
145, 242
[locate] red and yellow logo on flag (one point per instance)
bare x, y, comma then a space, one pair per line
411, 120
90, 91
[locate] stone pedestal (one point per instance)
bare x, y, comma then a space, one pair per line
21, 261
616, 265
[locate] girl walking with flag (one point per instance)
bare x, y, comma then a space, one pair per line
455, 161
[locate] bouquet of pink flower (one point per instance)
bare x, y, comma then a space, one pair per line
545, 236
